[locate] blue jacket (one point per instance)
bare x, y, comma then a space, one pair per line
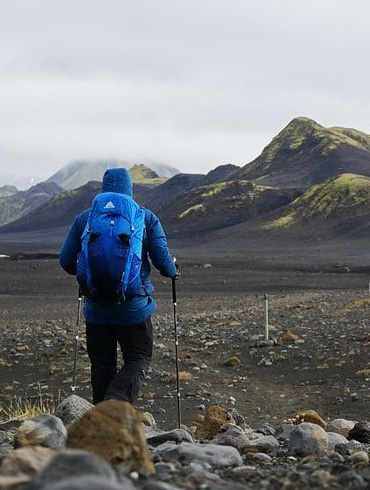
155, 250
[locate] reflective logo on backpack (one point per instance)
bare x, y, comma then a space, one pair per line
109, 205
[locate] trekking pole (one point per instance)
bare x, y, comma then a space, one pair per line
174, 300
79, 308
266, 317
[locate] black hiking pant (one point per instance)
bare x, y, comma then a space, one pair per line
136, 344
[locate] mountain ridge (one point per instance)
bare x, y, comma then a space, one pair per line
302, 160
77, 173
305, 153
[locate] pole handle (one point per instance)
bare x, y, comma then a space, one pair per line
174, 295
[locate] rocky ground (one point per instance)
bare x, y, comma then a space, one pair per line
316, 356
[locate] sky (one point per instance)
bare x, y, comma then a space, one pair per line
190, 83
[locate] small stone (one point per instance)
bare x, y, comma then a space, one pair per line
289, 337
233, 362
183, 376
214, 418
309, 416
360, 457
334, 438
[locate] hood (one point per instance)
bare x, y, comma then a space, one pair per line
117, 180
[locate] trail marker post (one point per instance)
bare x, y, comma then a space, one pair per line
266, 317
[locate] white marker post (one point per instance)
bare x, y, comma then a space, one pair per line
266, 317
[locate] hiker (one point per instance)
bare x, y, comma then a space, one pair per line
127, 321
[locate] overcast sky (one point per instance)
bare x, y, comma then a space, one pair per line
191, 83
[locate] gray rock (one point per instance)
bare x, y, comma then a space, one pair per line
5, 448
176, 435
308, 439
349, 448
360, 457
72, 463
200, 470
88, 483
215, 455
333, 439
43, 430
263, 457
232, 437
13, 482
72, 408
158, 485
283, 433
351, 479
27, 461
262, 443
340, 425
165, 468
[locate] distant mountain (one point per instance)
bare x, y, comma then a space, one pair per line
300, 185
60, 210
305, 153
8, 190
20, 203
171, 189
21, 182
78, 173
340, 205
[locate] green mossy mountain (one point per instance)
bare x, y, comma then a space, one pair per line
308, 180
341, 203
140, 174
222, 204
305, 153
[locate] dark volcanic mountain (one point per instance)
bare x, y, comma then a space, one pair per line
62, 208
180, 184
296, 186
222, 204
76, 174
13, 206
305, 153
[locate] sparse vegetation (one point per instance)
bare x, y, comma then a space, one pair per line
19, 408
194, 209
347, 193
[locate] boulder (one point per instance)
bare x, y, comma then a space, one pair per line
214, 418
308, 440
72, 409
43, 430
69, 464
112, 430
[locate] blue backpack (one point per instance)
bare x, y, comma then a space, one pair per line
109, 264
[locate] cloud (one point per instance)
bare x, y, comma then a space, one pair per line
193, 83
